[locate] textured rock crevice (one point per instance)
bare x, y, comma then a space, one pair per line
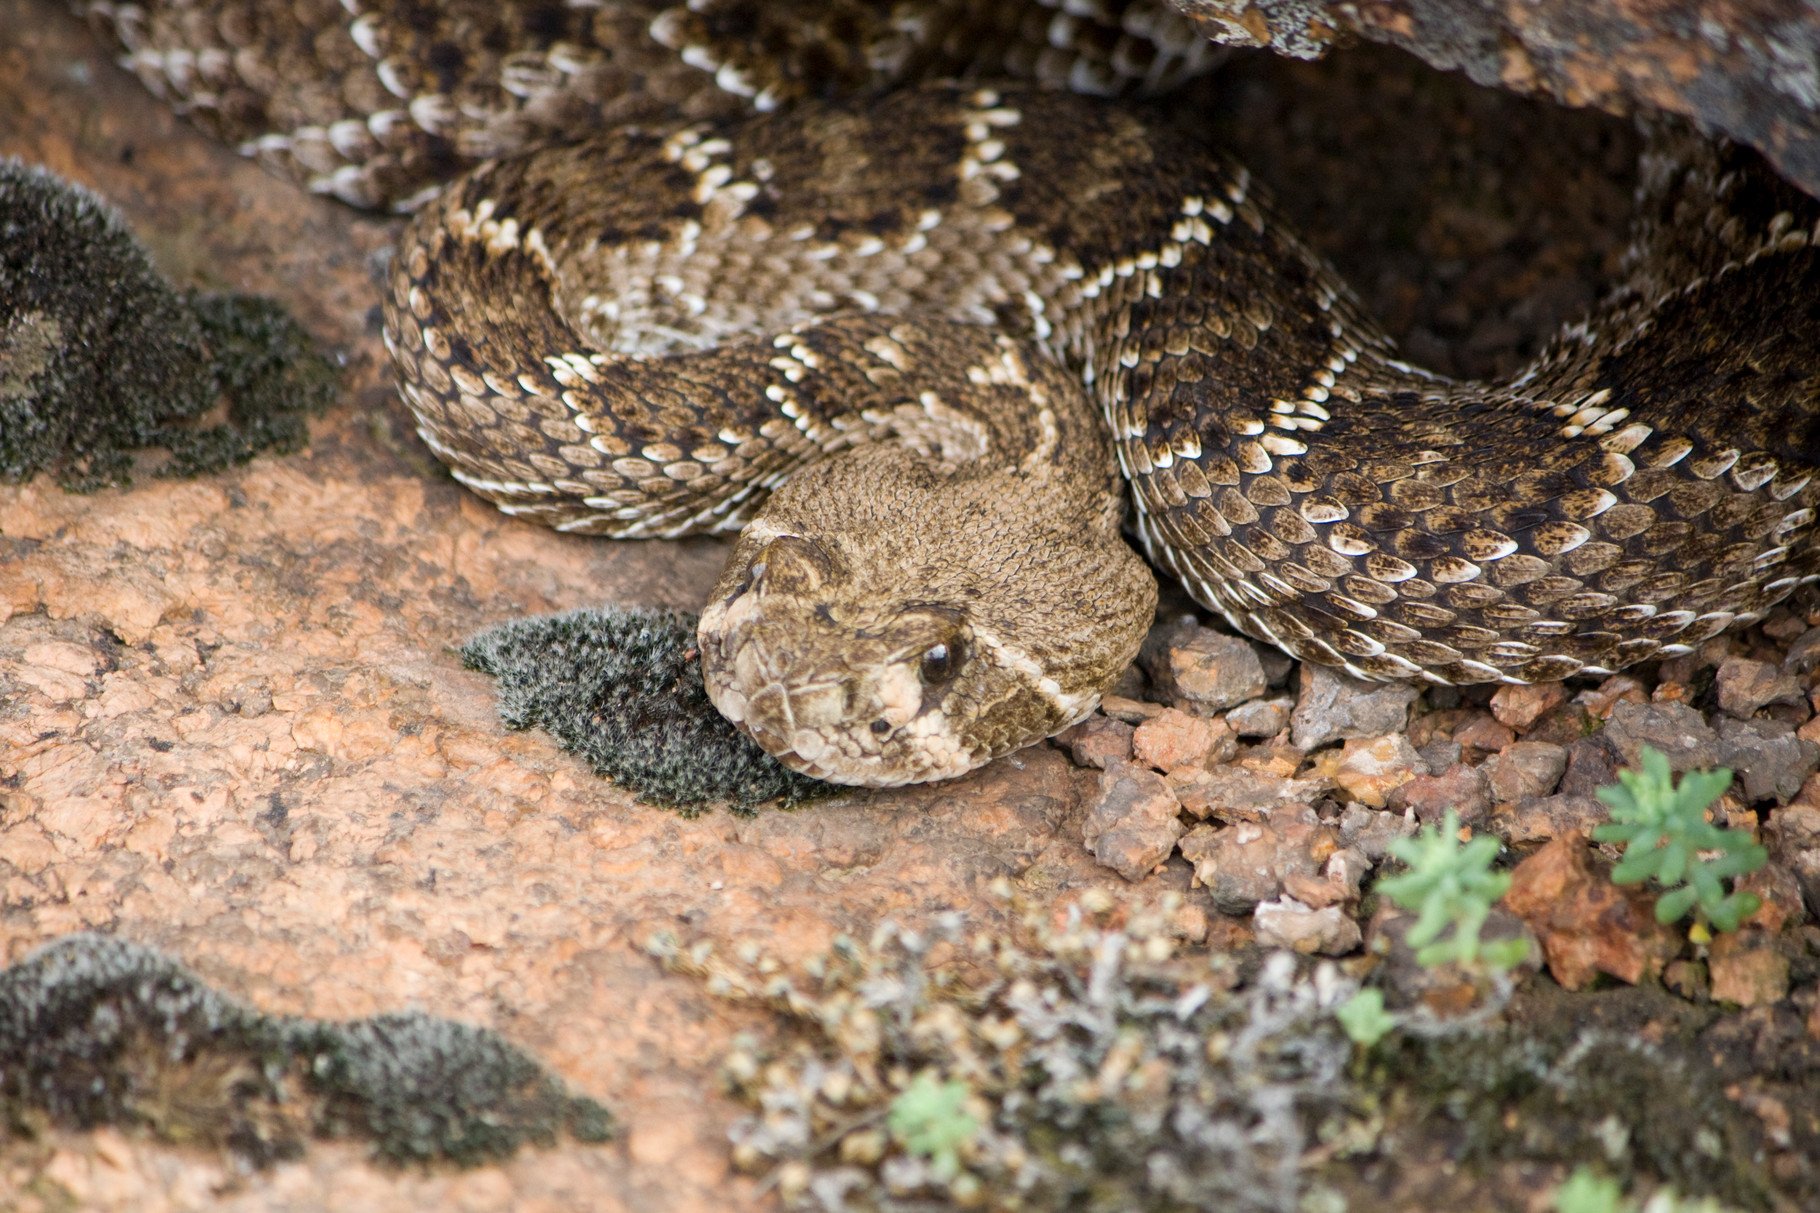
1750, 71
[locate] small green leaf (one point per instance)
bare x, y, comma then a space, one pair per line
1585, 1192
1671, 907
1452, 888
930, 1119
1364, 1018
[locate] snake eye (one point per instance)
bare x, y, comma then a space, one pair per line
941, 661
881, 727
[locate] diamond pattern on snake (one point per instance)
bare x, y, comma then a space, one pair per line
930, 348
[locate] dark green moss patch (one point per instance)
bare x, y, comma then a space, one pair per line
95, 1031
100, 357
623, 689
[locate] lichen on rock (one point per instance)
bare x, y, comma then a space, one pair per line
621, 687
98, 1031
101, 357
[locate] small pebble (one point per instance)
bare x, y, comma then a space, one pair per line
1588, 925
1619, 688
1134, 822
1370, 769
1233, 793
1675, 729
1591, 765
1460, 788
1097, 740
1745, 686
1371, 831
1199, 670
1768, 760
1131, 711
1524, 768
1334, 707
1173, 739
1260, 717
1747, 969
1481, 732
1541, 818
1244, 864
1288, 923
1519, 707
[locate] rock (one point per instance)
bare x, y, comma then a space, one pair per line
1689, 979
1339, 884
1281, 761
1675, 729
1586, 924
1782, 624
1591, 765
1621, 57
1444, 989
1525, 768
1747, 969
1776, 886
1619, 688
1744, 686
1131, 711
1097, 740
1333, 707
1460, 788
1793, 836
1369, 770
1260, 717
1540, 818
1234, 793
1277, 664
1290, 924
1519, 707
1133, 824
1199, 670
1769, 761
1370, 832
1804, 654
1244, 864
1565, 725
1439, 756
1481, 732
1173, 739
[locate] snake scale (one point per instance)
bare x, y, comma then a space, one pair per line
908, 340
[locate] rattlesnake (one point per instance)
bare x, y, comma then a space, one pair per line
858, 326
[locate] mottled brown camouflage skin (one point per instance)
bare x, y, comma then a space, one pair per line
645, 332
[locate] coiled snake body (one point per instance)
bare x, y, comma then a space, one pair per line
890, 338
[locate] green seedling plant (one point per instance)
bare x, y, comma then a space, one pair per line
1588, 1192
930, 1119
1364, 1019
1665, 831
1451, 884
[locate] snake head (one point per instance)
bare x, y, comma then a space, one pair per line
850, 689
851, 694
